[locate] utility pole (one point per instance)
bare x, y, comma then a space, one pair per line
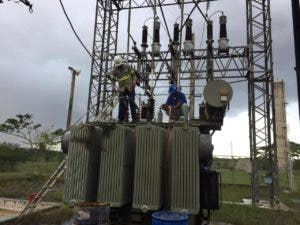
296, 23
70, 109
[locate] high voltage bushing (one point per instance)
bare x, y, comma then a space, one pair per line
209, 32
156, 40
175, 43
145, 37
223, 41
188, 44
151, 109
176, 33
209, 55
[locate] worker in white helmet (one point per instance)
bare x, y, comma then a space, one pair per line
126, 76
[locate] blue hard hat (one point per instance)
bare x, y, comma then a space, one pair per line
172, 88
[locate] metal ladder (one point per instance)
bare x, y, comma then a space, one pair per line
31, 205
108, 108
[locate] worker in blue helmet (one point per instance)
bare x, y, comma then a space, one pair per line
176, 104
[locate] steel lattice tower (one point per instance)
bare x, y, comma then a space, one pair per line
261, 93
252, 62
105, 44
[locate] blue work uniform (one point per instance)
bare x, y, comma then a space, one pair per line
173, 100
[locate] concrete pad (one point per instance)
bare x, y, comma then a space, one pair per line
7, 214
11, 208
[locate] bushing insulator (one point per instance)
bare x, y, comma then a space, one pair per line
176, 32
209, 30
156, 31
188, 32
145, 37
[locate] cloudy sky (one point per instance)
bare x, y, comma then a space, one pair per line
36, 49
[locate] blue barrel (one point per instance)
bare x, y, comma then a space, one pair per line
169, 218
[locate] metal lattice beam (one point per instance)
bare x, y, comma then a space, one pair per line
138, 4
261, 97
253, 62
104, 45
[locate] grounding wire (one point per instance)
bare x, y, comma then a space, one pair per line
74, 31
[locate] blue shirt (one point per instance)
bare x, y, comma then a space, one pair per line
173, 100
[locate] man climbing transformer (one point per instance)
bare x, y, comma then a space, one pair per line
127, 80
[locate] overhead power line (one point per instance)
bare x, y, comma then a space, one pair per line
73, 29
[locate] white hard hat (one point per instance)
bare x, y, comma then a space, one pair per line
118, 60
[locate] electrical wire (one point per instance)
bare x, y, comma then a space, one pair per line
74, 31
166, 25
202, 34
189, 15
204, 16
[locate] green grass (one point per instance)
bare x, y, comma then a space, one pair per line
245, 215
235, 193
297, 179
30, 169
242, 188
28, 178
53, 217
243, 178
229, 213
236, 177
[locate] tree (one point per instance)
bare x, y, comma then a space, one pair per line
31, 133
48, 137
22, 127
295, 149
25, 2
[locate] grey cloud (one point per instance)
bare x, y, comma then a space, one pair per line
36, 49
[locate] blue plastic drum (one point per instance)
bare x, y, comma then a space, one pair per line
169, 218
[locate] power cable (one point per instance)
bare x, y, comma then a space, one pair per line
166, 25
204, 16
74, 31
202, 35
